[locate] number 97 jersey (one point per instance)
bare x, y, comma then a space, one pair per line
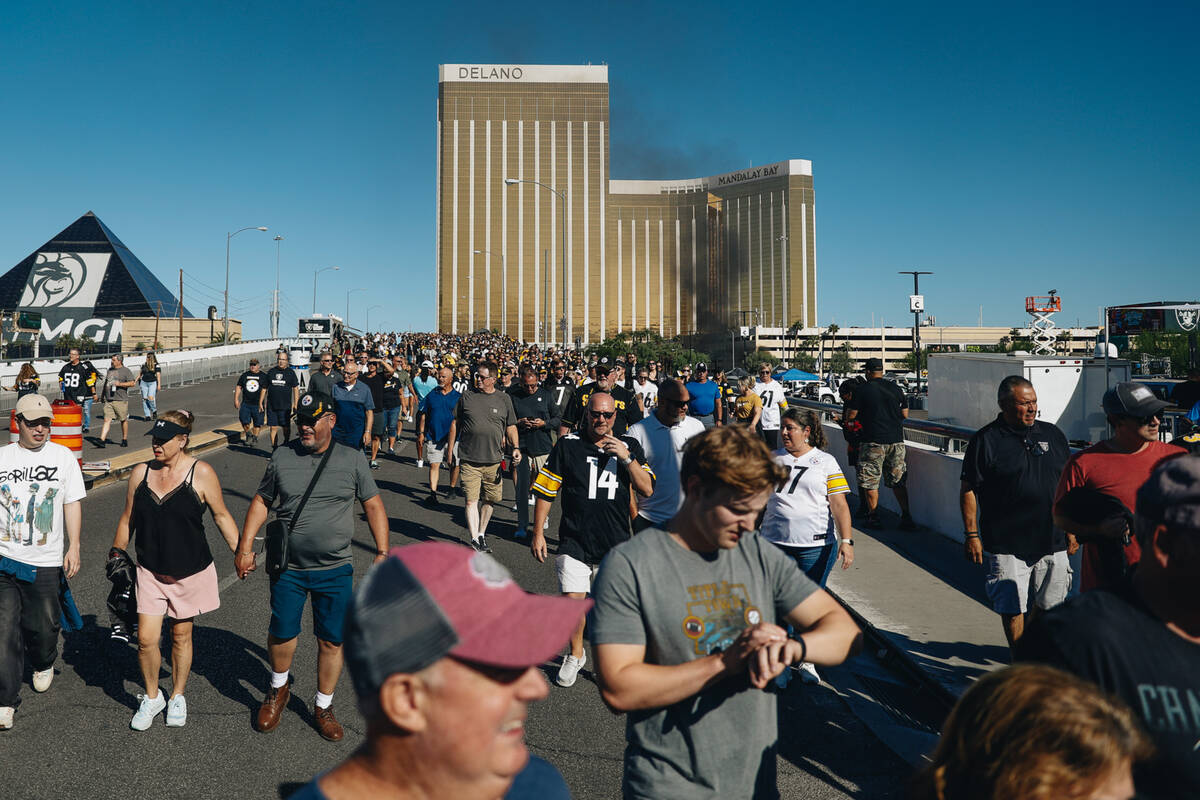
595, 488
798, 513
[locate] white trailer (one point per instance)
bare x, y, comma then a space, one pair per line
962, 389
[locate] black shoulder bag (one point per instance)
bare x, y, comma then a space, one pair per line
278, 532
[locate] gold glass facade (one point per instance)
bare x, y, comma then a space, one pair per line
672, 256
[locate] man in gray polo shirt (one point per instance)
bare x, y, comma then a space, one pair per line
320, 560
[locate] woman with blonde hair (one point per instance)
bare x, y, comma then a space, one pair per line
747, 405
1036, 733
176, 576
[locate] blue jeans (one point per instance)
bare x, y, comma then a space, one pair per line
815, 562
149, 395
87, 413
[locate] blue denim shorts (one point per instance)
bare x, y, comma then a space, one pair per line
248, 413
391, 420
330, 590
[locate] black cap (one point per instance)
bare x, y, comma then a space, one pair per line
1172, 494
313, 406
602, 370
702, 367
873, 365
1132, 399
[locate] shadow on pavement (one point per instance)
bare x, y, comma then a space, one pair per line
949, 662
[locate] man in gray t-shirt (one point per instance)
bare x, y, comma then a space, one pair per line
319, 551
115, 393
484, 419
704, 604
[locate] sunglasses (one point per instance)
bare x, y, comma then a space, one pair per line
1149, 420
602, 414
38, 423
669, 402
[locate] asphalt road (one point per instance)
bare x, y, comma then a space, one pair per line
75, 741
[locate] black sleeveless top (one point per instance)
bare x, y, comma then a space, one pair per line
169, 531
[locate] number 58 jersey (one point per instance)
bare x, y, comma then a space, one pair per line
594, 487
797, 512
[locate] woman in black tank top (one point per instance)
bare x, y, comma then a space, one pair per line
176, 577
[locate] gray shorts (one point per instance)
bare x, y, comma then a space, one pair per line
435, 454
1010, 582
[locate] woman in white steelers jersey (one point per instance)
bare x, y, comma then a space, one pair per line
801, 514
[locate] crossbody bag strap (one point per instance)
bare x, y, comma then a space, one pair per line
311, 485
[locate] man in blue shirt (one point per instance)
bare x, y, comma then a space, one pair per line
355, 408
434, 426
705, 404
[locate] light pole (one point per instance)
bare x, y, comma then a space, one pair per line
275, 301
503, 280
228, 239
346, 321
916, 312
367, 324
562, 204
315, 274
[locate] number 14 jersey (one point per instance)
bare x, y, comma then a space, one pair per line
594, 487
798, 511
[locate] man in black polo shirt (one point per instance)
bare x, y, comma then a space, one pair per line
881, 408
1009, 475
536, 417
628, 409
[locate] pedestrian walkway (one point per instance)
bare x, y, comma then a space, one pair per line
927, 601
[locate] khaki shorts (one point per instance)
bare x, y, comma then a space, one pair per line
116, 409
881, 461
481, 479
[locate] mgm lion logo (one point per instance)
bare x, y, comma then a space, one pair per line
1187, 318
64, 280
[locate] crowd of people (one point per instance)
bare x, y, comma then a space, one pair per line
700, 521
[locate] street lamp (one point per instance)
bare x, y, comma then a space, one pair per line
562, 204
228, 238
275, 302
916, 308
352, 291
315, 274
367, 324
504, 281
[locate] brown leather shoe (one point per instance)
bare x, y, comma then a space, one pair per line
327, 725
272, 707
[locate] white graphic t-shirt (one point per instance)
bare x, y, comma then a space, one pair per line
34, 485
771, 393
798, 512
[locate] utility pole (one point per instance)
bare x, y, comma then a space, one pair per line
916, 304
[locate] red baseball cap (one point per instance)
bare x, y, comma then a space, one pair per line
430, 600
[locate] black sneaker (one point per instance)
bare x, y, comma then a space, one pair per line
907, 523
124, 443
118, 632
481, 545
102, 444
432, 500
874, 522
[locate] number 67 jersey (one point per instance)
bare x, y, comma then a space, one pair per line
797, 513
594, 487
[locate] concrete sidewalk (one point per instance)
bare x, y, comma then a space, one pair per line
926, 601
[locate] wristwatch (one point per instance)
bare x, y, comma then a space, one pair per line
848, 541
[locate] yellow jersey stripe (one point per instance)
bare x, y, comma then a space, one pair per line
836, 484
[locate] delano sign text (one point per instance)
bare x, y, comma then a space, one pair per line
490, 73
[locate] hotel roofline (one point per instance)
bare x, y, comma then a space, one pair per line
522, 73
795, 166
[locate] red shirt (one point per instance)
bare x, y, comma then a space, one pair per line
1118, 475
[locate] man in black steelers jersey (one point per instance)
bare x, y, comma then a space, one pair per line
626, 403
593, 471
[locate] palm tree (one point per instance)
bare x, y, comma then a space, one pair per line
832, 332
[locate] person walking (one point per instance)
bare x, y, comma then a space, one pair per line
435, 429
807, 512
249, 398
355, 408
646, 390
39, 549
687, 632
283, 388
705, 404
596, 474
534, 407
1009, 475
662, 436
117, 382
770, 391
74, 379
149, 379
881, 408
397, 390
27, 381
315, 481
176, 576
747, 405
484, 422
323, 379
374, 380
607, 380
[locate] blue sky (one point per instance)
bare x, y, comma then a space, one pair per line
1009, 148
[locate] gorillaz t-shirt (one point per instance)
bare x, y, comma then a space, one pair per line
34, 485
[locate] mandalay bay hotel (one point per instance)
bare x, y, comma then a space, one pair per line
534, 238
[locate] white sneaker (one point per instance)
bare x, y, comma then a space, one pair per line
532, 500
6, 717
147, 711
42, 679
420, 463
176, 712
570, 669
808, 673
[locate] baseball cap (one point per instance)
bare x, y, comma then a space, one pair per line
430, 600
1171, 496
873, 365
165, 429
1132, 399
313, 406
602, 370
427, 364
702, 367
34, 406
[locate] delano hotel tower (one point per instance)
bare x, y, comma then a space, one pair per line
675, 256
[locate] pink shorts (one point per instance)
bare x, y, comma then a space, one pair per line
178, 598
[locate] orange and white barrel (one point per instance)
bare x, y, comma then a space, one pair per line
14, 432
67, 428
